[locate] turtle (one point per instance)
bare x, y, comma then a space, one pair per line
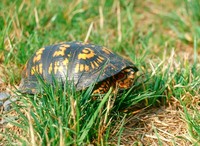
81, 63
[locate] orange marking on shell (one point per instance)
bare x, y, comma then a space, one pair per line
104, 49
81, 67
56, 64
58, 67
99, 59
65, 62
77, 68
86, 54
37, 69
32, 70
38, 55
87, 68
61, 50
96, 64
50, 69
87, 50
65, 45
40, 70
92, 65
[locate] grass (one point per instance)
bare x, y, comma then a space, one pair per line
161, 38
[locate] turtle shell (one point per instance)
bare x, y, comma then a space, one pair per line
79, 62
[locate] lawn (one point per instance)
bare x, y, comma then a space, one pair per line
161, 38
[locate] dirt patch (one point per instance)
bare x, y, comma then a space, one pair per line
163, 125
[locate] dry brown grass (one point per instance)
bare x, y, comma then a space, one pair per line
151, 125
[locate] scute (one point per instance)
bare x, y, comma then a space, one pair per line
72, 61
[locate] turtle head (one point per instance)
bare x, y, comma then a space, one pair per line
122, 81
125, 78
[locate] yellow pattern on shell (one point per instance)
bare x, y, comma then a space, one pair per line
61, 50
38, 55
92, 65
104, 49
87, 68
77, 68
37, 69
50, 69
65, 62
96, 64
81, 68
86, 53
58, 67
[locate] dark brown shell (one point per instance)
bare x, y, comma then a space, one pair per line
79, 62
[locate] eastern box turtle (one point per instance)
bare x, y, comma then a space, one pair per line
82, 63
